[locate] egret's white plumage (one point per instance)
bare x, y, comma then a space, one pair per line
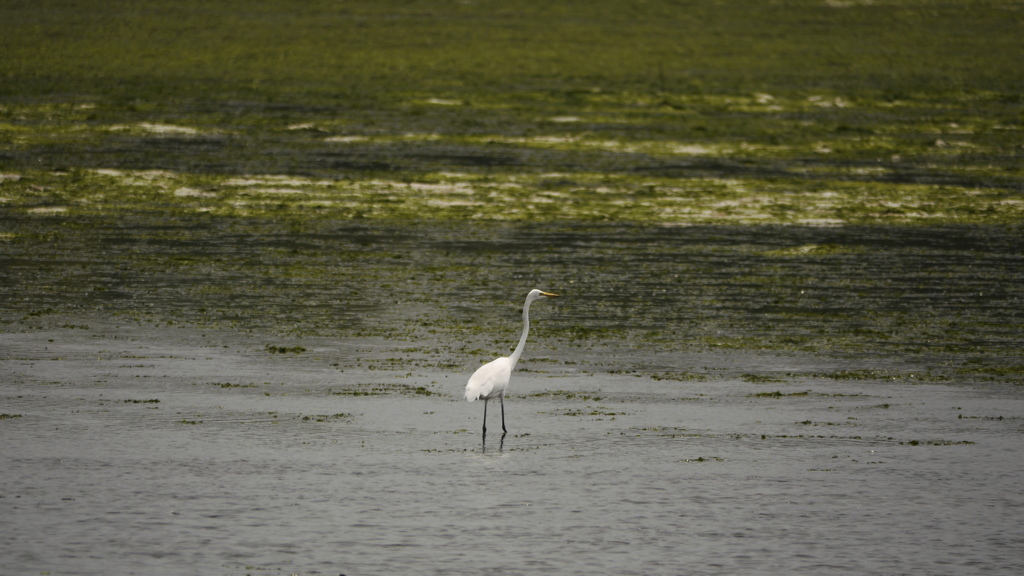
491, 380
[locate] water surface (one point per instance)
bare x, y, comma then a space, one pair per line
700, 401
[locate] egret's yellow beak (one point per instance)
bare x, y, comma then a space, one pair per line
549, 294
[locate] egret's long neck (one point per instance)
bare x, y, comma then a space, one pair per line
522, 339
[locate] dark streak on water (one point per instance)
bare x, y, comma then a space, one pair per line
644, 438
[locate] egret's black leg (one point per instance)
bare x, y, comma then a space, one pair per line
485, 416
503, 414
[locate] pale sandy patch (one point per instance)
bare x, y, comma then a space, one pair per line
456, 188
276, 191
822, 101
691, 149
108, 172
193, 193
160, 129
346, 139
443, 102
437, 203
821, 222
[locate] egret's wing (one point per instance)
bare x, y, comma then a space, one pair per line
489, 380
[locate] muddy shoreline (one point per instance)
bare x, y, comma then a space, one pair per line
142, 448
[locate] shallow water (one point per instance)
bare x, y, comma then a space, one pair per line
654, 477
883, 437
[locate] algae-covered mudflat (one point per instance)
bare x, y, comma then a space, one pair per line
848, 173
250, 252
806, 112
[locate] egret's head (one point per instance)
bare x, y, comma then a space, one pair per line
538, 294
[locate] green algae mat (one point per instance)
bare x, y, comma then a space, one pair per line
799, 112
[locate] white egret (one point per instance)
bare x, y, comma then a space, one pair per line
491, 379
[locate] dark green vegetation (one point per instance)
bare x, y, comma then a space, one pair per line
326, 417
381, 389
798, 112
778, 394
817, 176
285, 349
367, 53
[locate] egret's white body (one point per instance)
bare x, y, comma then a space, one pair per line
491, 380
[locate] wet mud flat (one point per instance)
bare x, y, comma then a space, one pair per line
216, 398
149, 449
444, 294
